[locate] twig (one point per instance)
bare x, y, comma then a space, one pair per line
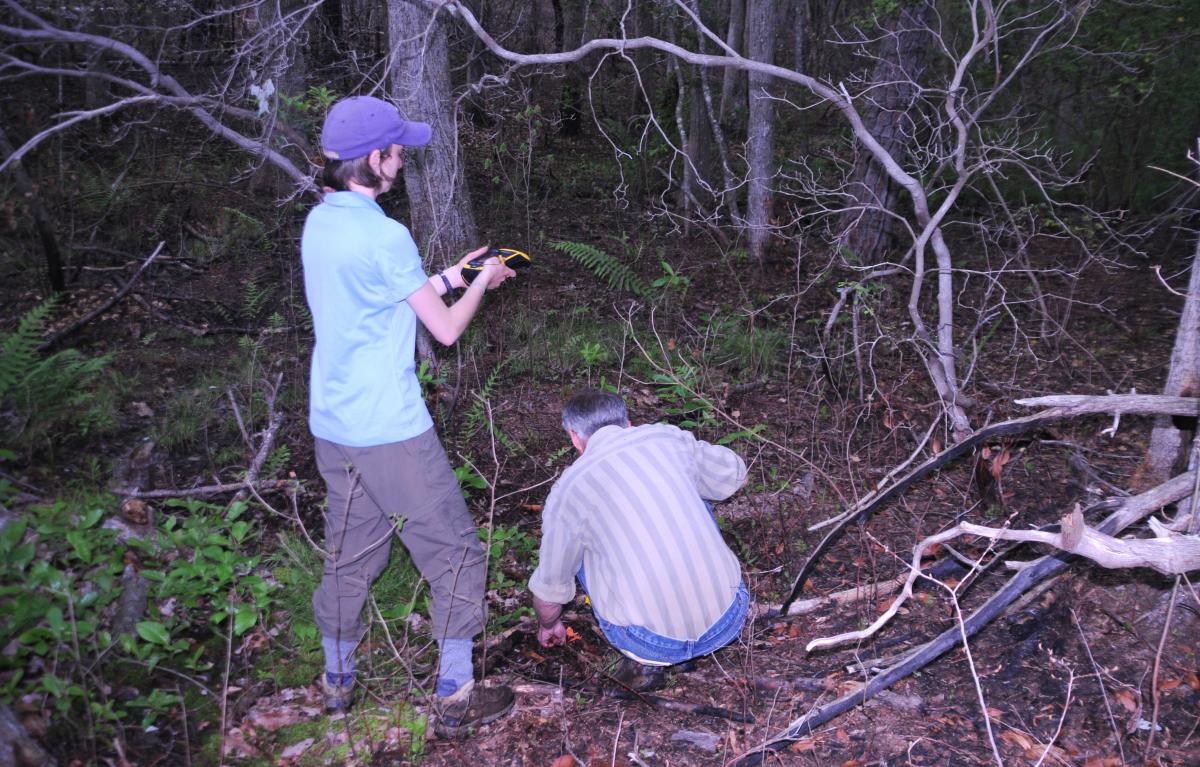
237, 416
1100, 681
1061, 719
104, 307
696, 709
183, 718
844, 597
869, 497
225, 686
191, 492
966, 645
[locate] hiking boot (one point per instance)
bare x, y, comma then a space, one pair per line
339, 696
638, 677
470, 707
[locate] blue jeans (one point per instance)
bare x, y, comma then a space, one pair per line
656, 648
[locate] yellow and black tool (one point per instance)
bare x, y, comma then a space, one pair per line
513, 259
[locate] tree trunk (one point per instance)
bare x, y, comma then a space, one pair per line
799, 21
41, 219
440, 213
760, 131
733, 86
867, 224
1171, 437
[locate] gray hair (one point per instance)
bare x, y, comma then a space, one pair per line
589, 410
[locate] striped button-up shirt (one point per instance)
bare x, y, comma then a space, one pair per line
630, 511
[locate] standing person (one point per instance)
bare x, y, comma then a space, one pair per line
630, 520
384, 468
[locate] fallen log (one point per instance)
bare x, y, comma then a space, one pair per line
943, 569
1061, 406
1131, 510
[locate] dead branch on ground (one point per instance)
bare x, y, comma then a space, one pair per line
1131, 510
251, 482
1058, 407
104, 307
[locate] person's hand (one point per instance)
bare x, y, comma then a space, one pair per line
493, 273
553, 636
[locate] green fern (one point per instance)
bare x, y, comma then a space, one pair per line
616, 274
255, 294
18, 351
36, 392
476, 416
276, 463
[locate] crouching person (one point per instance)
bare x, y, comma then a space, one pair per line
630, 520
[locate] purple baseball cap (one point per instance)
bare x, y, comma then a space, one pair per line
357, 125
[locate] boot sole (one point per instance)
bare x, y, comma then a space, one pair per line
452, 732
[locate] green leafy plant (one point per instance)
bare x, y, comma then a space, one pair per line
617, 275
476, 416
257, 292
426, 377
64, 577
469, 480
671, 279
679, 389
39, 393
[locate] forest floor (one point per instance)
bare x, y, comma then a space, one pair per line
1079, 673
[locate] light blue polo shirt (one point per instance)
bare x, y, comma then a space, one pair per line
359, 267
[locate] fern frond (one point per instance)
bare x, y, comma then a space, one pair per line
255, 294
610, 270
18, 351
475, 416
37, 392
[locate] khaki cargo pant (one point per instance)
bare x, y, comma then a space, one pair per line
375, 490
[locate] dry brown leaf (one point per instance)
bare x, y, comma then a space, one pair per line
271, 719
1054, 753
1112, 760
135, 511
566, 760
1128, 700
294, 751
841, 736
237, 747
1193, 680
1018, 739
1169, 684
853, 763
800, 746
